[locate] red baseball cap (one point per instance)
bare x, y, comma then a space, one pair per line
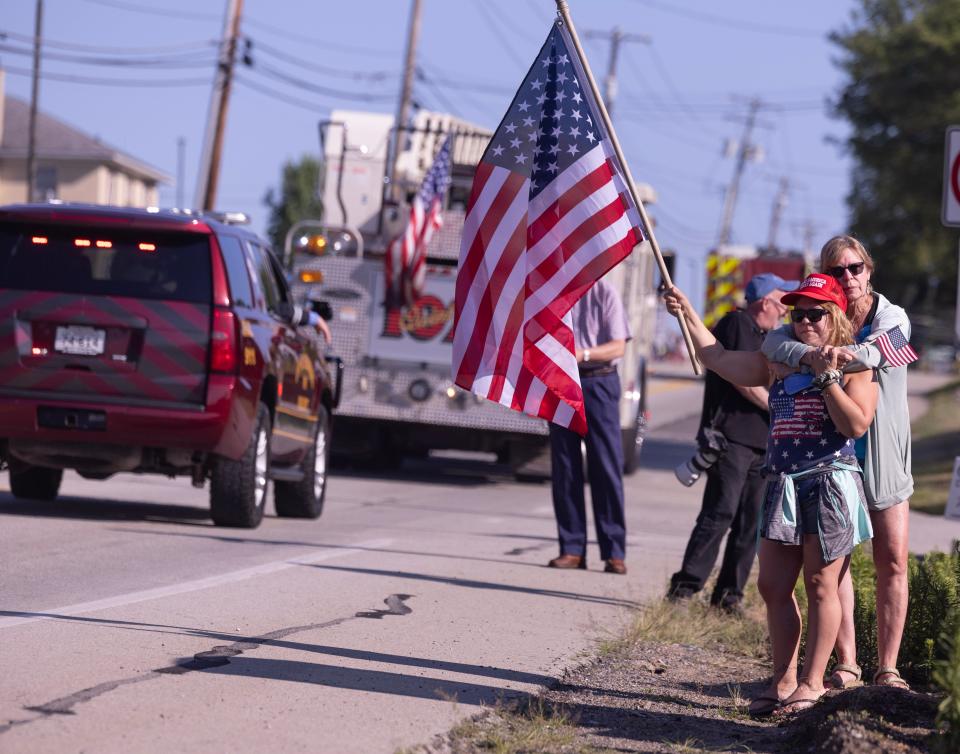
820, 287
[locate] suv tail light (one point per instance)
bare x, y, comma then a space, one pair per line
223, 342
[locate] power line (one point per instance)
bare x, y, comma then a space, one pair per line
492, 21
155, 11
437, 92
73, 79
668, 80
280, 97
310, 65
184, 46
191, 61
307, 86
314, 41
731, 23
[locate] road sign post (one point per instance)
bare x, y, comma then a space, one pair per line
950, 212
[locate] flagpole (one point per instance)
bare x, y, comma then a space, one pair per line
564, 11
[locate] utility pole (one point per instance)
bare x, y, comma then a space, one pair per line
406, 94
181, 155
209, 173
779, 204
610, 81
746, 151
34, 96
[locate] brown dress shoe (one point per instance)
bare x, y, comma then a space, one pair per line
568, 561
615, 565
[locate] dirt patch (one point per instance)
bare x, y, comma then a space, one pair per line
681, 698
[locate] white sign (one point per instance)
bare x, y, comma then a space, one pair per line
950, 212
953, 499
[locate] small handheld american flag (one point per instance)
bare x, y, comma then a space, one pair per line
895, 348
549, 215
405, 261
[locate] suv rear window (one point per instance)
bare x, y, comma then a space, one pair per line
106, 262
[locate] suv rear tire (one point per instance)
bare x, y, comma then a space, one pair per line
304, 499
34, 482
238, 489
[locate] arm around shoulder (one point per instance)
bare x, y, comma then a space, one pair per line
780, 346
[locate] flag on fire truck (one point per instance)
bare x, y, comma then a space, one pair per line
549, 214
406, 256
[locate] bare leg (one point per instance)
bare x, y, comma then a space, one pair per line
823, 582
846, 647
779, 568
890, 554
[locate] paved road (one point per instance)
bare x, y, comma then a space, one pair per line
129, 623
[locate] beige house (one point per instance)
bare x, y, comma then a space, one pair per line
71, 165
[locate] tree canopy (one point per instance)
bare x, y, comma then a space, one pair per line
297, 199
901, 59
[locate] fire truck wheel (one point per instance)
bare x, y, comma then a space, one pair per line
633, 443
238, 489
304, 499
34, 482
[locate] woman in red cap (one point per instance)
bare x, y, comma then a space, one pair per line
814, 511
882, 331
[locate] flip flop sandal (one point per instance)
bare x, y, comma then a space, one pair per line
768, 705
894, 679
836, 680
791, 709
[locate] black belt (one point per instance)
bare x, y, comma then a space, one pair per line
598, 371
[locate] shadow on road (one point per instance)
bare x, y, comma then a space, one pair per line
362, 679
251, 540
85, 508
474, 584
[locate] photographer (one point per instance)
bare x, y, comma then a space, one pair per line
730, 448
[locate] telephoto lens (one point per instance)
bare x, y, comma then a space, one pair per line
689, 472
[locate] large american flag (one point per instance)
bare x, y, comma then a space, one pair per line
896, 348
407, 254
549, 214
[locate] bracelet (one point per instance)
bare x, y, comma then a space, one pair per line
828, 383
827, 377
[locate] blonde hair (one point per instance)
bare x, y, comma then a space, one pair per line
833, 249
841, 330
841, 334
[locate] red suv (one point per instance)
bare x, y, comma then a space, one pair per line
158, 342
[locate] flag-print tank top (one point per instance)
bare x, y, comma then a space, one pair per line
802, 434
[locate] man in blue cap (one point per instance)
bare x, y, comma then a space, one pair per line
733, 435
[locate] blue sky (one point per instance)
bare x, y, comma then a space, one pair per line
681, 97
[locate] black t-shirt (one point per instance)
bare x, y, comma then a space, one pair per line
740, 420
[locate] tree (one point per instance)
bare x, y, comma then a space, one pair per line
297, 200
901, 59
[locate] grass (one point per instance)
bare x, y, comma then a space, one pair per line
532, 726
936, 441
695, 622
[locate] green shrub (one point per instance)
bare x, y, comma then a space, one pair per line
946, 674
933, 611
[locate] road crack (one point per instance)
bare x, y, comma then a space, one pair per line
214, 657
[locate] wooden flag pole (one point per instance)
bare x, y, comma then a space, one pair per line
564, 11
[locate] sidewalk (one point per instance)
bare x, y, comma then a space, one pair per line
927, 531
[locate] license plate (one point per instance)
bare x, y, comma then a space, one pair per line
80, 341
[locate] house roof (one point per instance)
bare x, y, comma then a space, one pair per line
57, 140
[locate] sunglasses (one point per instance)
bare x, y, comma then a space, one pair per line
814, 315
855, 269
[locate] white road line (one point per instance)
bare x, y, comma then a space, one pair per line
192, 586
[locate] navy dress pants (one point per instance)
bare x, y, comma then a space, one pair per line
601, 397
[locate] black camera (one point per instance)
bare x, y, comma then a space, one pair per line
711, 445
